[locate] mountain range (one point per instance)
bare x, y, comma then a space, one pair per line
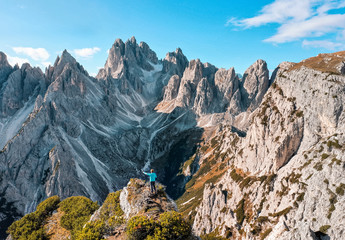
245, 156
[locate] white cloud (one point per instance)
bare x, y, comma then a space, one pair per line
314, 27
37, 54
16, 60
86, 52
298, 20
322, 44
278, 12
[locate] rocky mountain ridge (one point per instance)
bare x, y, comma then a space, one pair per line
209, 132
285, 178
71, 134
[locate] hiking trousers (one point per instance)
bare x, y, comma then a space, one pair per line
153, 187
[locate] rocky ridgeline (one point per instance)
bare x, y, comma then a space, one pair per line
246, 158
131, 213
285, 177
65, 133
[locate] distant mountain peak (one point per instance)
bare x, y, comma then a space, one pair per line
3, 59
66, 57
121, 55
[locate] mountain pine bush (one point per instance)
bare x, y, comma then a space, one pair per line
78, 211
169, 226
30, 227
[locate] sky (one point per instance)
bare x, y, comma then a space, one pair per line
222, 32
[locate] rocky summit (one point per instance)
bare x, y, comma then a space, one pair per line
245, 156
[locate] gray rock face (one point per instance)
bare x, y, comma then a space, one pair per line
255, 82
70, 134
171, 90
285, 177
18, 91
175, 63
67, 133
206, 89
134, 66
5, 68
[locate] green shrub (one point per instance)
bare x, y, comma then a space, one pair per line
265, 233
169, 226
116, 221
91, 231
335, 144
214, 142
30, 227
282, 212
299, 113
335, 160
245, 182
236, 177
48, 206
173, 226
240, 212
318, 166
262, 219
324, 228
139, 227
78, 211
211, 236
300, 197
340, 189
294, 178
111, 206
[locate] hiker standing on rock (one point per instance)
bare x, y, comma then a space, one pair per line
153, 177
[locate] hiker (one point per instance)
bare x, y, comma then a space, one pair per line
153, 177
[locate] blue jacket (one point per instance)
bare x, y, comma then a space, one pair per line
153, 176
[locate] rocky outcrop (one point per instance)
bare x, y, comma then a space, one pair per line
136, 199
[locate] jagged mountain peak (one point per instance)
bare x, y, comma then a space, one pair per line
3, 60
65, 58
176, 54
255, 82
118, 42
178, 51
259, 64
128, 54
5, 68
133, 40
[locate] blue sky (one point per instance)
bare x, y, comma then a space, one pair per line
224, 33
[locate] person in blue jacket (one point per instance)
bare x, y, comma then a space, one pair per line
153, 177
